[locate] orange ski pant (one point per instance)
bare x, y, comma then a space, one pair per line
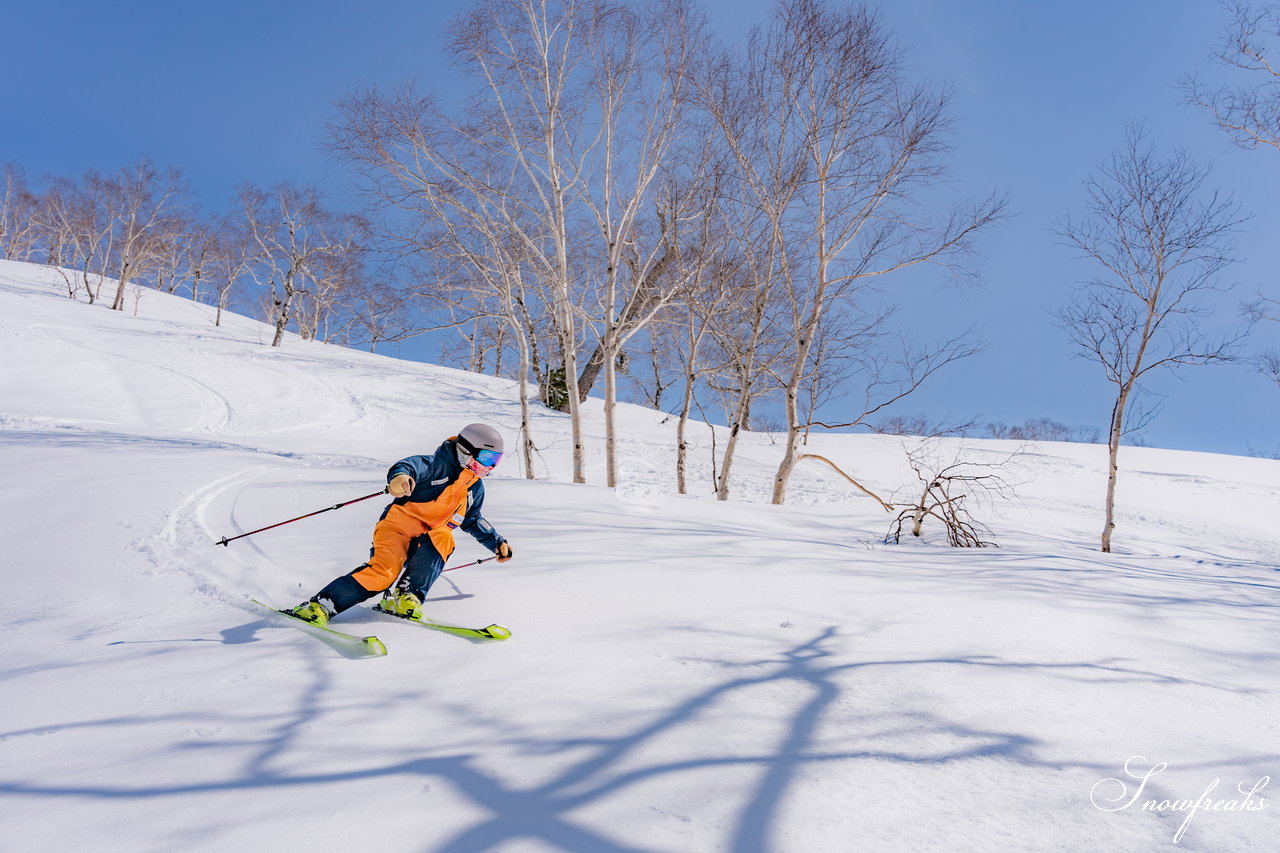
392, 538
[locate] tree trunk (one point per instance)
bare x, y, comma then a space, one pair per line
682, 450
1113, 467
793, 447
526, 440
737, 425
568, 346
126, 270
282, 310
610, 427
591, 370
686, 406
722, 488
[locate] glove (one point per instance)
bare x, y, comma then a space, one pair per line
503, 552
400, 486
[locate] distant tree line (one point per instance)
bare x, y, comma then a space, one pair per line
282, 255
1033, 429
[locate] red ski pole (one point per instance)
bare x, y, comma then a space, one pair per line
225, 540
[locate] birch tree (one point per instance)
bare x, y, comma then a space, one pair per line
684, 338
1249, 111
1162, 239
230, 257
335, 276
639, 74
531, 57
19, 222
837, 149
291, 230
464, 206
749, 342
141, 198
501, 184
496, 256
174, 254
79, 228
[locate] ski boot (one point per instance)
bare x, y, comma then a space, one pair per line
401, 603
313, 612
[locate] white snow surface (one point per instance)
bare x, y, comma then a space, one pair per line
685, 674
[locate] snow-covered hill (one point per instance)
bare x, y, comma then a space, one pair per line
685, 675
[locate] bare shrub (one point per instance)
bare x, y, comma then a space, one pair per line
950, 485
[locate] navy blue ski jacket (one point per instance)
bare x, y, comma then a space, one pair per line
431, 474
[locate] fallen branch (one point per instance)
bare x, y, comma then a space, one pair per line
859, 486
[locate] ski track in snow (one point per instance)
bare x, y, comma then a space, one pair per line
138, 377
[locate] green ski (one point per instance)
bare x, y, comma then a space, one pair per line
348, 644
486, 634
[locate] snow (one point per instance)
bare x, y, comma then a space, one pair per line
684, 675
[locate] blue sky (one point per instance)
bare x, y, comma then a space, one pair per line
234, 91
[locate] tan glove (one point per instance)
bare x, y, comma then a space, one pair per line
400, 486
503, 552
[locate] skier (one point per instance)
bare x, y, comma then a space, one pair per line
433, 495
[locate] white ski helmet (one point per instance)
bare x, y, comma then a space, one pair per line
479, 443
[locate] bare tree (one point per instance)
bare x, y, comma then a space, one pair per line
292, 232
19, 221
759, 184
835, 147
200, 253
500, 180
174, 253
141, 198
467, 216
79, 227
380, 313
531, 55
56, 232
228, 260
652, 361
1248, 112
547, 189
335, 274
1162, 239
1269, 365
111, 225
949, 485
1268, 362
747, 343
687, 326
919, 425
639, 74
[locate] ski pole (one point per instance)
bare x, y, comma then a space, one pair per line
476, 563
225, 540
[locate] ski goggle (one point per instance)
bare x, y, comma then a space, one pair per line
487, 458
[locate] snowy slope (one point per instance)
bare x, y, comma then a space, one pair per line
685, 675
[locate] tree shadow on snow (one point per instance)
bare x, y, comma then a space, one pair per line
812, 728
